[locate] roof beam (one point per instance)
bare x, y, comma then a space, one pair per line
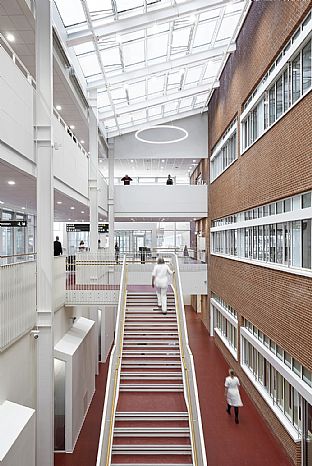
141, 21
169, 119
194, 91
192, 59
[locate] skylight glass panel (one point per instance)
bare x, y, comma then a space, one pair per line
155, 84
201, 99
136, 90
81, 49
111, 57
103, 100
204, 33
180, 38
174, 79
227, 28
187, 102
71, 11
154, 111
102, 8
89, 64
131, 36
110, 123
119, 95
140, 115
133, 52
157, 46
124, 119
125, 5
212, 69
209, 14
157, 29
171, 106
193, 74
232, 7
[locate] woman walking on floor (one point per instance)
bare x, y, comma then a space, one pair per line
232, 394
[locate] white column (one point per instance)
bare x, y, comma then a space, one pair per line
44, 156
93, 170
94, 315
111, 207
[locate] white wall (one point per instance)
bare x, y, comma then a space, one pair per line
155, 201
18, 372
16, 108
194, 146
70, 163
102, 193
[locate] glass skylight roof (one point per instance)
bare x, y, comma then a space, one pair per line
152, 64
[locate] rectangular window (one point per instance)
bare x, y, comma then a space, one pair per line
296, 78
306, 67
286, 89
279, 97
272, 105
306, 200
306, 244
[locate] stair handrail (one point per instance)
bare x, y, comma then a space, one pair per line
189, 375
113, 378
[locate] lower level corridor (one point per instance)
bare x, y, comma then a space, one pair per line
248, 444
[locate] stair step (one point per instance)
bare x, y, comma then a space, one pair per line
151, 387
150, 375
152, 449
151, 432
151, 415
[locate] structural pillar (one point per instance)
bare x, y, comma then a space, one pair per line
111, 206
45, 211
93, 170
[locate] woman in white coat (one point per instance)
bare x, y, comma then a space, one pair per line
232, 394
160, 279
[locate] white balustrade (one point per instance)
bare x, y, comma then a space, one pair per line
17, 301
59, 282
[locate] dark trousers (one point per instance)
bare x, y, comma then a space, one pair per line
235, 410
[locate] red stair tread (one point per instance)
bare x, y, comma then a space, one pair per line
152, 459
151, 440
149, 402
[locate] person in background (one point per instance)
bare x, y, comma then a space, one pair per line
169, 180
160, 280
126, 180
58, 250
116, 253
81, 246
99, 244
232, 394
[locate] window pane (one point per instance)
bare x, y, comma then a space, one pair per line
279, 97
306, 67
306, 200
272, 105
296, 78
286, 90
306, 244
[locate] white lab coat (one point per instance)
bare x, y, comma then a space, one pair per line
233, 397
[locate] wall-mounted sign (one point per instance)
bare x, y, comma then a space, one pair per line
76, 227
13, 223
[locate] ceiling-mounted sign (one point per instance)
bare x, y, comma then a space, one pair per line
13, 223
77, 227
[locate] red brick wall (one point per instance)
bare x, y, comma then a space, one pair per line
278, 165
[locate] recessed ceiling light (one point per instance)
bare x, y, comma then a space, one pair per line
23, 208
72, 208
58, 107
10, 37
69, 219
1, 202
82, 211
72, 126
101, 161
190, 168
11, 182
82, 141
59, 202
131, 161
194, 160
162, 160
161, 168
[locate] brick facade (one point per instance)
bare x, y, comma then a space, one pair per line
278, 165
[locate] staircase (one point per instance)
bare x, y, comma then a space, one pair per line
151, 420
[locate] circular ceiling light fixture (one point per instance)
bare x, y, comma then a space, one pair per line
178, 134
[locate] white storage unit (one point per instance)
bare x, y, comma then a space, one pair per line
77, 349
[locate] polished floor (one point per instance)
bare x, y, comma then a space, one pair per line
249, 443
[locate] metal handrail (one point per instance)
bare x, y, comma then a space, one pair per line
190, 387
112, 385
18, 255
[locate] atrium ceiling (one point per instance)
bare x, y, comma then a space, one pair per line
151, 61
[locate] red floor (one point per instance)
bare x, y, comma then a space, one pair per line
248, 444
